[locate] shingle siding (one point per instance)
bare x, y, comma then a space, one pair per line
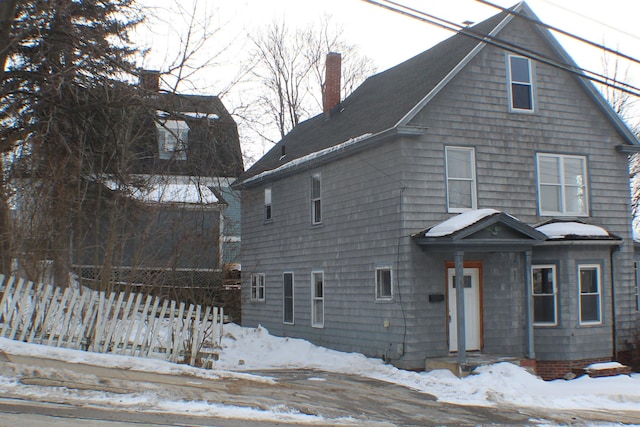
374, 201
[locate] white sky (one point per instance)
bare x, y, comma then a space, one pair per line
246, 349
386, 37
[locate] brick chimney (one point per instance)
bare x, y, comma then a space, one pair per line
331, 93
149, 80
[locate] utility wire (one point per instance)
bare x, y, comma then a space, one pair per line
558, 30
502, 44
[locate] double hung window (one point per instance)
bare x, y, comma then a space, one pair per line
544, 295
316, 200
562, 185
520, 83
287, 282
257, 286
461, 179
317, 299
590, 294
173, 137
267, 204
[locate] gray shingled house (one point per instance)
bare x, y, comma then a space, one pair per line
179, 226
476, 196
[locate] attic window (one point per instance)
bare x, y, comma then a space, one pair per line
520, 83
173, 138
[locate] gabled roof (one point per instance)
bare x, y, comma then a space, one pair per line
386, 101
481, 229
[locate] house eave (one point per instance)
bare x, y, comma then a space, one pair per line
583, 242
349, 150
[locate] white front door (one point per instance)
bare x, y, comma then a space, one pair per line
471, 309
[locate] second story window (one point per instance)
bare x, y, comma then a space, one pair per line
461, 179
173, 138
316, 201
562, 185
520, 83
267, 204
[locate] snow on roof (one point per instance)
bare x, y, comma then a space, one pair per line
559, 230
192, 192
310, 156
459, 222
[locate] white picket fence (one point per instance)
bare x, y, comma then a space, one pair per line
120, 323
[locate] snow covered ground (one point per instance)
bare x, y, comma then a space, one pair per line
246, 349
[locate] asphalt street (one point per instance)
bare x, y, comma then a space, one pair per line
337, 398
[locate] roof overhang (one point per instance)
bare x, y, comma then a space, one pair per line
485, 230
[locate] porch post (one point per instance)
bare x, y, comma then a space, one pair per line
528, 285
458, 257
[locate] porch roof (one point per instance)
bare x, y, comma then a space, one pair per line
492, 230
483, 229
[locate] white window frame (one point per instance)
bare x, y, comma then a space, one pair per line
379, 294
258, 287
636, 282
268, 212
317, 301
316, 199
471, 180
173, 138
581, 294
285, 297
554, 293
563, 186
522, 83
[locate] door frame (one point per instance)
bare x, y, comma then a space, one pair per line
466, 264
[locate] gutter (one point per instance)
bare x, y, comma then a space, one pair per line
297, 165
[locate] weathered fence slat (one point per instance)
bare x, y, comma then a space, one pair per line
121, 323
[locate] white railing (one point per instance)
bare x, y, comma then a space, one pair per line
118, 322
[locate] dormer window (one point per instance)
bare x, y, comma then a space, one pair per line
173, 138
520, 83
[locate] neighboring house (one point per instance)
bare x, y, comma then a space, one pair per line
180, 225
478, 162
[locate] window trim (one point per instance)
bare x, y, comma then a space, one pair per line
513, 82
258, 283
314, 298
599, 294
379, 296
554, 294
316, 200
175, 130
268, 211
472, 180
562, 185
284, 298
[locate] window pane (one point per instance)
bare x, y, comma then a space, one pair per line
318, 315
460, 194
549, 169
520, 70
459, 164
550, 198
315, 187
574, 171
588, 280
574, 199
383, 281
590, 308
317, 288
317, 211
267, 196
288, 310
521, 96
544, 309
543, 280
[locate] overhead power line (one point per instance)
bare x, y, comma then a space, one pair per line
558, 30
502, 44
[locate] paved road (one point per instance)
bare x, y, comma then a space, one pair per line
337, 398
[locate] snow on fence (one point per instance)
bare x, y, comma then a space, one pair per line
118, 322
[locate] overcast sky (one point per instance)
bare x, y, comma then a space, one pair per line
386, 37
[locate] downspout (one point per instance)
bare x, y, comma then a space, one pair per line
614, 331
531, 353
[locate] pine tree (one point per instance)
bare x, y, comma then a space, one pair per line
63, 96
